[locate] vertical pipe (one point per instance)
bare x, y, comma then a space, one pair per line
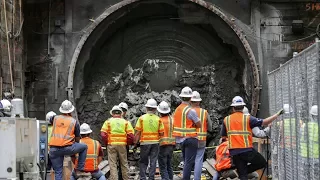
318, 89
56, 82
49, 25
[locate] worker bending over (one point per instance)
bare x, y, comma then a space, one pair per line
117, 132
167, 142
49, 116
149, 128
65, 140
224, 165
186, 121
94, 154
202, 133
238, 128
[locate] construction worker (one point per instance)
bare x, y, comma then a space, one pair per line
309, 144
65, 140
117, 132
94, 154
167, 142
224, 165
202, 133
124, 108
186, 121
256, 131
49, 116
238, 128
288, 128
149, 129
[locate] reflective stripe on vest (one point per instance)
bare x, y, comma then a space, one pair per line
62, 131
310, 144
238, 130
49, 135
183, 126
150, 125
91, 163
202, 131
223, 157
117, 128
167, 138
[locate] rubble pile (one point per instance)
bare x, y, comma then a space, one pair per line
161, 80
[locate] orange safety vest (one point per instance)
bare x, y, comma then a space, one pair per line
223, 159
91, 163
167, 138
62, 131
238, 130
203, 115
183, 126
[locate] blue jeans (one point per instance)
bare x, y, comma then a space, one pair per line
189, 152
198, 163
57, 155
97, 174
164, 159
148, 152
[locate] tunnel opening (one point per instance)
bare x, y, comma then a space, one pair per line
152, 50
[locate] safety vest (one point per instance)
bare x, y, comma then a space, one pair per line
202, 131
312, 139
289, 125
238, 130
167, 138
49, 134
150, 126
183, 126
117, 130
62, 131
91, 163
223, 159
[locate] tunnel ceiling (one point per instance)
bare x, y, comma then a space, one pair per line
162, 38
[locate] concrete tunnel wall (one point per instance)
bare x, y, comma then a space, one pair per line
217, 38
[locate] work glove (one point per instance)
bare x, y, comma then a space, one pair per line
280, 112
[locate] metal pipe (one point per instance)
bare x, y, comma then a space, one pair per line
49, 24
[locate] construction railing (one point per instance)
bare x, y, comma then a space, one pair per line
295, 86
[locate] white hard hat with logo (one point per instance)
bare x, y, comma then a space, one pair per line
245, 111
49, 115
123, 105
196, 96
66, 107
151, 103
186, 92
237, 101
85, 129
163, 108
314, 110
287, 109
115, 108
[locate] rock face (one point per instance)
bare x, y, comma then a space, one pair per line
163, 81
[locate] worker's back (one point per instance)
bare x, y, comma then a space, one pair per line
92, 162
183, 126
63, 131
203, 115
117, 129
150, 125
167, 138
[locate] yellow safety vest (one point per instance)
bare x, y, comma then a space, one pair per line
117, 130
150, 126
313, 141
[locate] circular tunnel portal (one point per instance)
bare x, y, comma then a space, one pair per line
140, 49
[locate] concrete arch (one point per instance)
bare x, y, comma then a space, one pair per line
202, 3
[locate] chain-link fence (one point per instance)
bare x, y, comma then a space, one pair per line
295, 86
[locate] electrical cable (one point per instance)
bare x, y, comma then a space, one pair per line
40, 170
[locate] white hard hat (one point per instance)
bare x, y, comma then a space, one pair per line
186, 92
287, 109
163, 108
115, 108
196, 96
245, 111
237, 101
123, 105
85, 129
6, 104
50, 115
66, 107
151, 103
314, 110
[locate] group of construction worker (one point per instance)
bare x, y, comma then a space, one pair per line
158, 132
